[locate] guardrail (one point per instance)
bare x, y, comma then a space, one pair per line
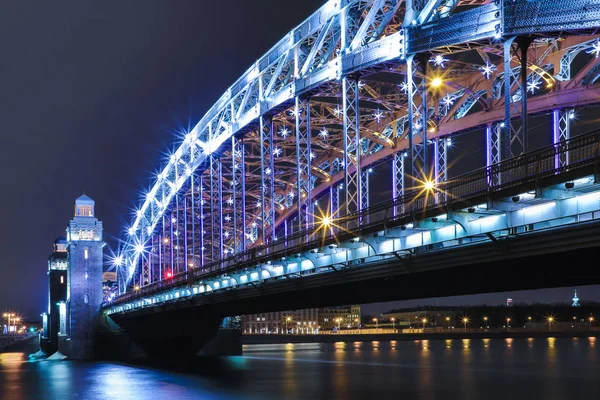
581, 151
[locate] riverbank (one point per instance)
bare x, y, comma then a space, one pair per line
324, 338
20, 344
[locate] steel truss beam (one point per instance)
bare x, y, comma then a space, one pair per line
351, 139
239, 195
334, 190
561, 121
416, 74
303, 160
516, 143
201, 221
216, 210
493, 133
267, 170
398, 180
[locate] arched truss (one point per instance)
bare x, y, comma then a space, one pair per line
295, 137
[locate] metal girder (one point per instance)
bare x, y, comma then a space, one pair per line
216, 209
398, 180
303, 160
516, 143
364, 192
351, 139
441, 159
561, 121
267, 177
371, 27
416, 74
457, 32
532, 17
493, 142
201, 221
239, 195
227, 219
334, 190
192, 223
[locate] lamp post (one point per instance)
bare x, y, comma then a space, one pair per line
376, 323
287, 320
465, 321
591, 319
393, 323
550, 321
485, 320
448, 323
7, 317
424, 321
508, 324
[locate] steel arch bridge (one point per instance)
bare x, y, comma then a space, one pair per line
284, 158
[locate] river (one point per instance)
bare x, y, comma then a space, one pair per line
508, 369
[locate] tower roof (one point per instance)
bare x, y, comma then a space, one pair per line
84, 200
60, 240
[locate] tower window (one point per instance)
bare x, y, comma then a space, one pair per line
84, 211
86, 298
62, 279
86, 253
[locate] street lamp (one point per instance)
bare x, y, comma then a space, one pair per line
393, 323
508, 324
376, 323
591, 319
485, 319
447, 322
287, 320
550, 320
465, 321
424, 321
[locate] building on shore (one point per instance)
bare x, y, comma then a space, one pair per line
304, 321
422, 318
343, 317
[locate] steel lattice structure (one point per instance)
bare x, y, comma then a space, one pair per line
359, 83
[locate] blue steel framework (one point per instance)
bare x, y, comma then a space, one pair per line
360, 82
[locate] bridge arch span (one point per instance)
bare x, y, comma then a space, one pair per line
293, 142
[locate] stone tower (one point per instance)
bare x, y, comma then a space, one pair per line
57, 294
84, 291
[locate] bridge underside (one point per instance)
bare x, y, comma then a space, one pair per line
531, 261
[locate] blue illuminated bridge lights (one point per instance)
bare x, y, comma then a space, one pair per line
279, 175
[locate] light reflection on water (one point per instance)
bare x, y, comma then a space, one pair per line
547, 368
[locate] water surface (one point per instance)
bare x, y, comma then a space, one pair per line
507, 369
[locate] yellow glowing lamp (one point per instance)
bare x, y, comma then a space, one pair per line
437, 82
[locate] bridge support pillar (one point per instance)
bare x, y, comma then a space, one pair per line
303, 161
416, 75
352, 145
516, 143
267, 171
561, 124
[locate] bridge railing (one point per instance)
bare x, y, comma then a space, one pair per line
580, 151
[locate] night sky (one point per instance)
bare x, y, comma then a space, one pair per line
93, 94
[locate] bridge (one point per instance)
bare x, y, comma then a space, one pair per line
326, 174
